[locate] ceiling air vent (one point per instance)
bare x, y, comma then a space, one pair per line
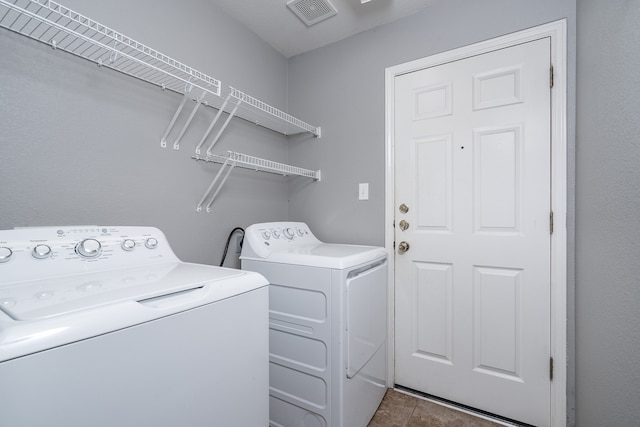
312, 11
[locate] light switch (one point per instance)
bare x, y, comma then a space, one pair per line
363, 191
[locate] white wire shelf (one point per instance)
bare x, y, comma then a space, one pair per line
260, 113
62, 28
263, 165
233, 159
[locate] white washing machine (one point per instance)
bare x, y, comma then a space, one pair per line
328, 325
105, 326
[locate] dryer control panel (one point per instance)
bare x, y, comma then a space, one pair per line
292, 231
265, 238
293, 243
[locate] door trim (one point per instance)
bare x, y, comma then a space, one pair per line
557, 32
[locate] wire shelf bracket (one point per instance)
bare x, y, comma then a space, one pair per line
213, 123
213, 183
224, 126
176, 143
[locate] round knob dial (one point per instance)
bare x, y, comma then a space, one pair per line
128, 244
288, 233
300, 232
41, 251
5, 254
276, 234
89, 248
266, 235
151, 243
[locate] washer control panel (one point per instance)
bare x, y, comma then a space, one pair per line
44, 252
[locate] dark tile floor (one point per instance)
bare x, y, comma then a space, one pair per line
402, 410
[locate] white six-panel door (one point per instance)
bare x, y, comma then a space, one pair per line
472, 164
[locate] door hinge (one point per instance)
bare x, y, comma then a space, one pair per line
551, 369
551, 76
551, 222
394, 245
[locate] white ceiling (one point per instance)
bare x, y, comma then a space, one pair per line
276, 24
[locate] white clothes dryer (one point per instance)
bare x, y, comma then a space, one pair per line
328, 325
105, 326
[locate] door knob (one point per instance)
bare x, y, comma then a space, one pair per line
403, 225
403, 247
404, 208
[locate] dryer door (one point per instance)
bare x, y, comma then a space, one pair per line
366, 314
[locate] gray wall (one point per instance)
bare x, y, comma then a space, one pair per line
608, 214
341, 87
80, 144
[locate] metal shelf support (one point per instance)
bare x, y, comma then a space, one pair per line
224, 126
185, 97
213, 183
213, 123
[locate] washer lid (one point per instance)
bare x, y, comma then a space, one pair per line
41, 299
325, 255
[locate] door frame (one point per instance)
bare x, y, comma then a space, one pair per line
557, 32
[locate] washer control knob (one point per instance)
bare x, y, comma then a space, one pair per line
300, 232
276, 234
89, 248
289, 233
128, 244
266, 235
5, 254
151, 243
41, 251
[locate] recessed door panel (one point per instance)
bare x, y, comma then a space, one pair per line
497, 88
432, 166
497, 180
497, 308
433, 306
432, 101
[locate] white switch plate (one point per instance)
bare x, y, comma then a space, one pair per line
363, 191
